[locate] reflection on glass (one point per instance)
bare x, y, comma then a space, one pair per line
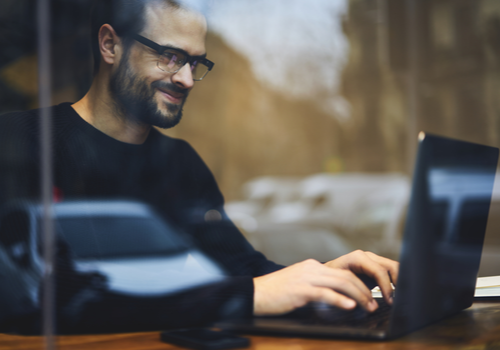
135, 251
319, 53
458, 196
125, 242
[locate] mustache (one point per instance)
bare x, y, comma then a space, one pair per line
169, 86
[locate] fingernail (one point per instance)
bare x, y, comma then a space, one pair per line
391, 300
373, 305
349, 304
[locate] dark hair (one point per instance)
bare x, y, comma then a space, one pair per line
127, 17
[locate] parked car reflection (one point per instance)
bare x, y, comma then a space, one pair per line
125, 241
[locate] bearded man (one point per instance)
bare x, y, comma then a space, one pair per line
148, 56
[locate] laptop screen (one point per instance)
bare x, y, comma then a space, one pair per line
444, 233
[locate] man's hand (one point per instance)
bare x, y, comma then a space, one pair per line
382, 270
334, 283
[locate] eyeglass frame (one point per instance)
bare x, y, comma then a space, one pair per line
161, 49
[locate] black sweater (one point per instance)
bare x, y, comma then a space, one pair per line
163, 172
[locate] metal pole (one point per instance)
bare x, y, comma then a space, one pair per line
44, 96
413, 79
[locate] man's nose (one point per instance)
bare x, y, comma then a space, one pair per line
184, 77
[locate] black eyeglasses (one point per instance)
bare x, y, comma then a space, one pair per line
172, 60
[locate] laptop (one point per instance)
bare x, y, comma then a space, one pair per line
439, 261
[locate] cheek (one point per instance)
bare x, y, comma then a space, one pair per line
151, 72
147, 72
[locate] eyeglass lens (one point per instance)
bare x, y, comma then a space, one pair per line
173, 61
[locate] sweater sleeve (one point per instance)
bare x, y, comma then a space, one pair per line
209, 226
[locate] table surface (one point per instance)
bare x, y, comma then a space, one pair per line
475, 328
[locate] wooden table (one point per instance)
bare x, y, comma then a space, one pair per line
477, 328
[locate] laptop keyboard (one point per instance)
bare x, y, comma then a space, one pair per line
324, 315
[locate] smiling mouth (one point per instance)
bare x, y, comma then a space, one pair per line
173, 97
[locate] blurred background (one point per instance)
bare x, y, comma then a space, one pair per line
309, 120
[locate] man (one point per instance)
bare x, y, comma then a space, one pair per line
147, 55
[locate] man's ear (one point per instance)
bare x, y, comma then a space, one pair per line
109, 44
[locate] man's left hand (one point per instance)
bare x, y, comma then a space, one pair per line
382, 270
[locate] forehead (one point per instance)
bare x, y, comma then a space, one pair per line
179, 28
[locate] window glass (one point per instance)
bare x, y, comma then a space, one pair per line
299, 143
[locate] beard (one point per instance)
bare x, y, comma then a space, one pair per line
134, 98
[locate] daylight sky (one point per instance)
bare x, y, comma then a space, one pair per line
296, 47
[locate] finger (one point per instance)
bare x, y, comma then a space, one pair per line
343, 281
375, 267
351, 261
350, 285
391, 266
331, 297
368, 264
346, 276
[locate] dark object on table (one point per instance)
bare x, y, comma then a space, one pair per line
204, 339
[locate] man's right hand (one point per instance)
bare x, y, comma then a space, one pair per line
295, 286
